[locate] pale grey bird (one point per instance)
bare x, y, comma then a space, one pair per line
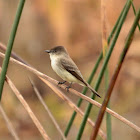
64, 66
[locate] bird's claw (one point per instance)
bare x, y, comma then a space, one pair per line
67, 88
61, 83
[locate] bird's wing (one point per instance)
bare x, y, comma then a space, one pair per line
71, 67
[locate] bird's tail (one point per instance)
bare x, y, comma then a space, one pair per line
92, 90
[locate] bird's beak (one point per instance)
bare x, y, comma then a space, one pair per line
48, 51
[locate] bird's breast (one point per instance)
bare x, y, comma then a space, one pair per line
59, 69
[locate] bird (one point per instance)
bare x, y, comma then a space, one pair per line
65, 67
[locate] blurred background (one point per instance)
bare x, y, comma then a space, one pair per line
75, 24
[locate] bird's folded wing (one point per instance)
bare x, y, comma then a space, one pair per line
71, 67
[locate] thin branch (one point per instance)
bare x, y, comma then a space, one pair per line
28, 109
70, 103
99, 105
9, 124
14, 55
47, 109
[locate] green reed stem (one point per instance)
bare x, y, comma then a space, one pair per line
106, 81
134, 10
10, 45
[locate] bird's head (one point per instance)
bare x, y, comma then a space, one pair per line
58, 50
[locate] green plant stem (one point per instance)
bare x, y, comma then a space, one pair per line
83, 92
135, 13
108, 116
88, 109
10, 45
114, 77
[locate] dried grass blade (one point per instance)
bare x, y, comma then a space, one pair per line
47, 109
70, 103
28, 109
9, 124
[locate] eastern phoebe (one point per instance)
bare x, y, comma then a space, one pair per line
64, 66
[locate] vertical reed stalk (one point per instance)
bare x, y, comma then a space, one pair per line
10, 45
105, 49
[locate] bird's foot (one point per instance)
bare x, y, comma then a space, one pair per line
68, 87
61, 83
